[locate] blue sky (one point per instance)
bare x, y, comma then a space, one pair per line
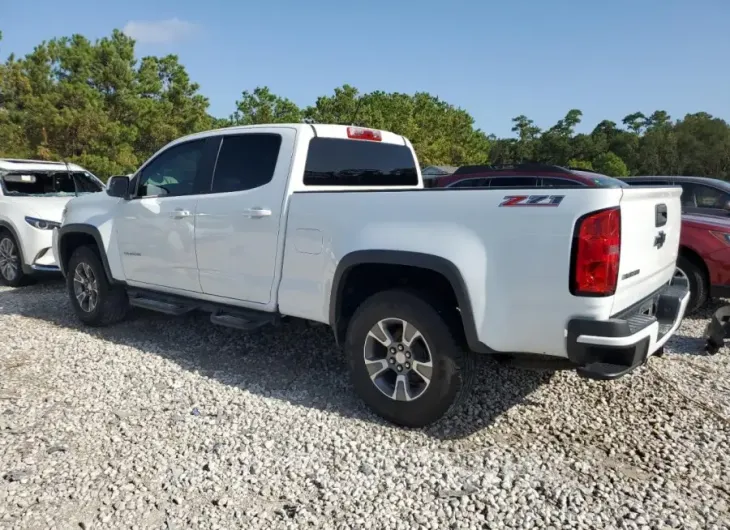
495, 59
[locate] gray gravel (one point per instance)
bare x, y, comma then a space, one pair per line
165, 422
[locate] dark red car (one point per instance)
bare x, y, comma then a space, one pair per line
529, 175
704, 258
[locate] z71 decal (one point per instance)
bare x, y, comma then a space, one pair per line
532, 200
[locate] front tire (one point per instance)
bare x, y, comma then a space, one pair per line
11, 263
405, 362
698, 283
95, 301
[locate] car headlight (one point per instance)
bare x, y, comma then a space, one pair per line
42, 224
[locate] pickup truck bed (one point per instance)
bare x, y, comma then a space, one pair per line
413, 282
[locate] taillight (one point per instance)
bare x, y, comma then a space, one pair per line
359, 133
596, 253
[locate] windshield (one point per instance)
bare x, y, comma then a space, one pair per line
49, 183
602, 181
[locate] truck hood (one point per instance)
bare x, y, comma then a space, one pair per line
46, 208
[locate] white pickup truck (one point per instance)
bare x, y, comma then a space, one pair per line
331, 224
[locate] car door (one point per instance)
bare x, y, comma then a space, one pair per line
156, 226
706, 200
238, 221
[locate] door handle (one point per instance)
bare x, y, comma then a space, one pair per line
179, 213
255, 213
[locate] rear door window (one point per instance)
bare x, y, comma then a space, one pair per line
340, 162
706, 196
515, 182
471, 183
246, 161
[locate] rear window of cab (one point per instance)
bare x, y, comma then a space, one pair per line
343, 162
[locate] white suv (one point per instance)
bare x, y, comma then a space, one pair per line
33, 194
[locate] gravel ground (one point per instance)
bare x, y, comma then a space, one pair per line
165, 422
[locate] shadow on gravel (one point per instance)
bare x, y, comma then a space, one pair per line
688, 345
294, 362
692, 344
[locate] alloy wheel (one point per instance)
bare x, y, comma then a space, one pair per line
8, 259
398, 359
86, 288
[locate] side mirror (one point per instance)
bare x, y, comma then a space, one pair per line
727, 206
118, 186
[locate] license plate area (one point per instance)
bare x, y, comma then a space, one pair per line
648, 308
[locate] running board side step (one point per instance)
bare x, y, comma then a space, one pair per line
239, 321
169, 308
223, 315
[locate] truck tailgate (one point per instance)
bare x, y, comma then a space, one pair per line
651, 220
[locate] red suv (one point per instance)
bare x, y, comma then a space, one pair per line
704, 258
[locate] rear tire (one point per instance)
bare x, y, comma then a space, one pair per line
96, 302
11, 262
698, 283
434, 374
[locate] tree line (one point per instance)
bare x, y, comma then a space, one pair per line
96, 104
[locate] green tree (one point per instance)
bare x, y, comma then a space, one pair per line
261, 106
581, 164
610, 164
657, 152
527, 135
635, 122
440, 132
98, 104
71, 99
703, 144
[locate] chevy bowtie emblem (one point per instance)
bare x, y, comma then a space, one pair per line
660, 239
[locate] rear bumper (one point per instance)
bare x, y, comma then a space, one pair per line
609, 349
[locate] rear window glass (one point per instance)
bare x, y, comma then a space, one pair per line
602, 181
548, 182
646, 182
339, 162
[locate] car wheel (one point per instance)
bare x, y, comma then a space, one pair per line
695, 275
11, 265
405, 362
96, 302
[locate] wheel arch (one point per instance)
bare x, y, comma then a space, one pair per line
414, 260
72, 236
696, 258
6, 225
